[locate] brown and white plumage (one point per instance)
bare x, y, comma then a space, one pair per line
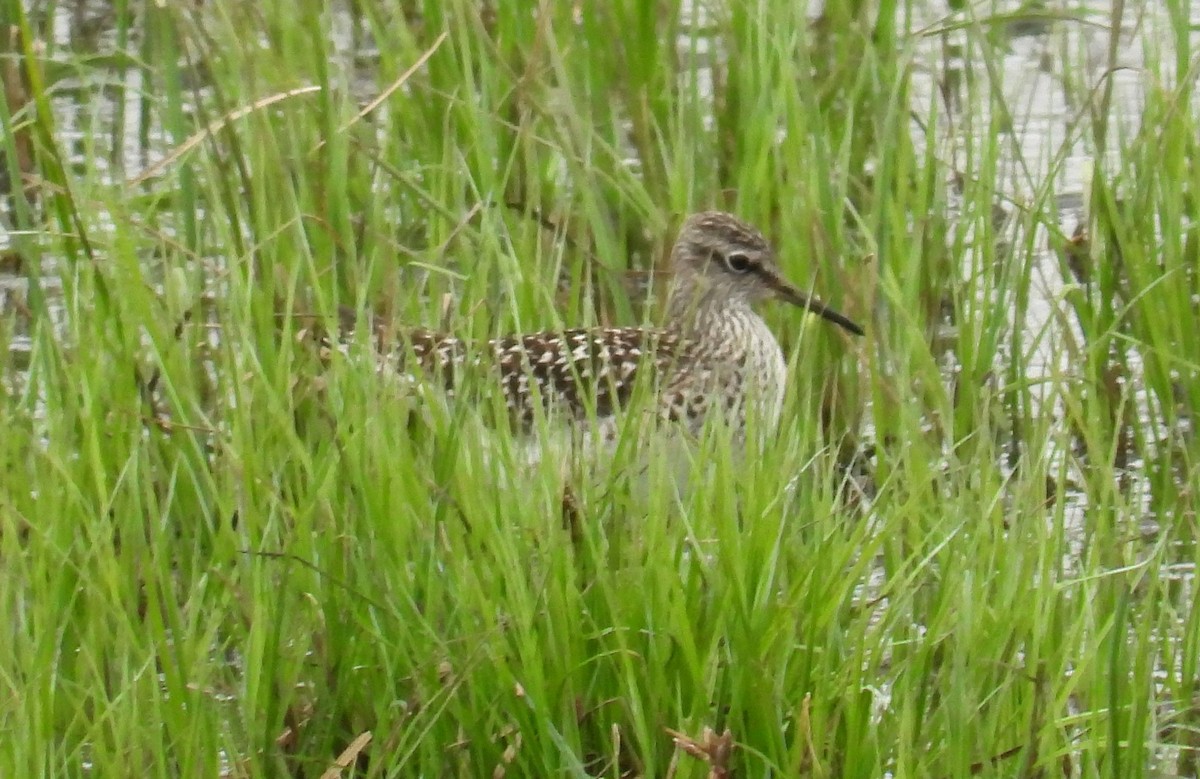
714, 352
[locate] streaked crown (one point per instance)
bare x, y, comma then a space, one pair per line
721, 261
719, 255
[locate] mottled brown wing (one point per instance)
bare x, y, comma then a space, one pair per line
574, 369
567, 371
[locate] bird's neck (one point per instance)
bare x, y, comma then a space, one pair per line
694, 304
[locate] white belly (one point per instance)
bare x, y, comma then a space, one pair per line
766, 372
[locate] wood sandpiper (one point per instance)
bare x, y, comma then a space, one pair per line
713, 355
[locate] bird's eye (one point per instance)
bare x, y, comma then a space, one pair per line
738, 262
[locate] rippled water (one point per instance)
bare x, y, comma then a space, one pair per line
1045, 70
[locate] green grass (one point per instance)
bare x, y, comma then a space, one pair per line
220, 557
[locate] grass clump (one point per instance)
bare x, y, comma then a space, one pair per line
969, 548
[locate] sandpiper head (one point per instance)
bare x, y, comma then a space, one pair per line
719, 255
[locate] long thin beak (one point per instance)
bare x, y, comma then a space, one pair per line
789, 292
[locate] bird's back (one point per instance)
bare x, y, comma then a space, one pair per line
572, 374
583, 373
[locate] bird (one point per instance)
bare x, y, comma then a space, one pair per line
713, 354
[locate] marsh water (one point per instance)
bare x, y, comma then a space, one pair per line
1049, 65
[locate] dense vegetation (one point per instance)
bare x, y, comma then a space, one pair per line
969, 549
